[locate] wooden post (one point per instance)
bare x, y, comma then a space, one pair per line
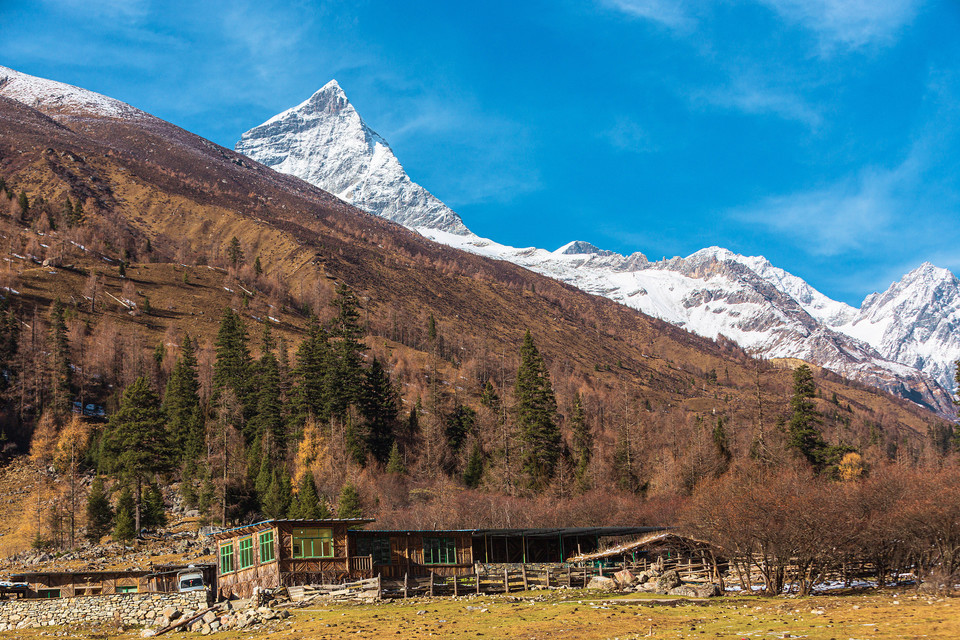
523, 572
379, 588
548, 577
506, 581
431, 584
478, 581
569, 578
456, 589
405, 579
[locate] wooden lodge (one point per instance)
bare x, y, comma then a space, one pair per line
276, 553
286, 553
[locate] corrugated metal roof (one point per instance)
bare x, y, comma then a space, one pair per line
256, 526
565, 532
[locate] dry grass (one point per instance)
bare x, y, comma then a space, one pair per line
581, 616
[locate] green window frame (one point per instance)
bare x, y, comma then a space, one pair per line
226, 558
49, 593
439, 551
127, 589
379, 548
246, 552
267, 551
312, 543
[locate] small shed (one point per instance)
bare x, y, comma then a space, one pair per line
276, 553
415, 553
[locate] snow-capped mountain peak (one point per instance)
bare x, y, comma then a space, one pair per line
579, 247
58, 98
712, 292
324, 141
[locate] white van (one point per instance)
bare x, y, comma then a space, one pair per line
190, 580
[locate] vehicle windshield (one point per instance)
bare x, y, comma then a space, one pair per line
186, 583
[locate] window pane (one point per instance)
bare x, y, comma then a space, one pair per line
226, 558
246, 552
313, 543
266, 547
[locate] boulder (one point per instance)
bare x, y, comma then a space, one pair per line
602, 583
696, 590
625, 578
669, 580
642, 577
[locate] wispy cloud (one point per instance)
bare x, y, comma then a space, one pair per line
669, 13
755, 98
849, 23
853, 214
626, 135
124, 10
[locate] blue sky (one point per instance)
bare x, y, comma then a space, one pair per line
822, 134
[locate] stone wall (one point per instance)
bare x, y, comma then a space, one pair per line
126, 608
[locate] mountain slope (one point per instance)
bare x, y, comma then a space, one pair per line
712, 292
161, 193
325, 142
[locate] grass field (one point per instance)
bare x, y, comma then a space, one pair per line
576, 615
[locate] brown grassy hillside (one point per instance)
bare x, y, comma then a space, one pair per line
172, 201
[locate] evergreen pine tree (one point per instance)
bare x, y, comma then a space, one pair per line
803, 429
136, 443
257, 266
460, 423
181, 404
473, 472
349, 505
268, 418
308, 503
60, 371
276, 501
345, 379
124, 524
395, 462
233, 366
310, 375
582, 443
154, 513
722, 446
379, 404
536, 416
235, 252
207, 492
99, 512
24, 206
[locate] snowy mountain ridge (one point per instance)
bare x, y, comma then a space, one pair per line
324, 141
51, 96
903, 341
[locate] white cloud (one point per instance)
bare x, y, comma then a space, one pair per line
848, 23
851, 215
669, 13
757, 99
123, 10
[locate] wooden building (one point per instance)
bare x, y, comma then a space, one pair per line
545, 546
276, 553
397, 553
69, 584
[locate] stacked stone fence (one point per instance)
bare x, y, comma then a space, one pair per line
125, 609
